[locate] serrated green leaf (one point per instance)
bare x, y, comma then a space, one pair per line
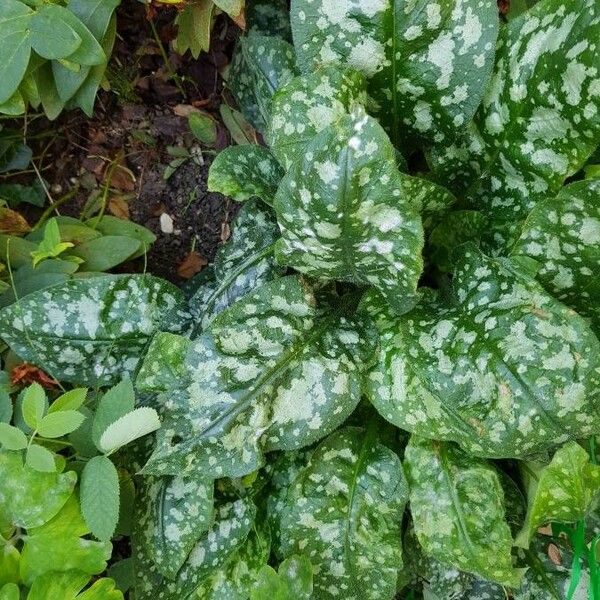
259, 67
114, 404
194, 24
308, 104
70, 400
428, 63
100, 497
235, 579
562, 491
294, 579
58, 585
501, 368
34, 405
12, 438
39, 458
527, 136
92, 331
343, 214
344, 512
179, 511
233, 523
563, 235
244, 172
30, 498
102, 589
57, 424
267, 374
129, 427
241, 265
456, 502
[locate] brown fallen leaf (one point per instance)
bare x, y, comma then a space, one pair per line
225, 231
12, 222
193, 263
118, 206
554, 554
121, 177
25, 374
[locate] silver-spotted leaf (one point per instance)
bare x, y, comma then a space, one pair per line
91, 331
31, 498
259, 67
343, 214
563, 235
344, 511
307, 105
504, 369
236, 578
562, 491
293, 579
180, 511
539, 120
242, 264
428, 62
457, 505
270, 373
232, 525
244, 172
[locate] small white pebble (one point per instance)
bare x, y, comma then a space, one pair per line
166, 223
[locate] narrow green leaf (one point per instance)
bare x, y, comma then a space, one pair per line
40, 459
100, 497
34, 405
343, 214
456, 503
12, 438
61, 423
244, 172
562, 491
344, 512
70, 400
129, 427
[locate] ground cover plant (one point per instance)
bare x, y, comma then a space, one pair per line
386, 385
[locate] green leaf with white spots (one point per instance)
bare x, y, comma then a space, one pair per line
344, 511
259, 67
244, 172
235, 579
270, 373
454, 229
232, 525
91, 331
428, 62
562, 491
563, 235
294, 579
457, 506
539, 120
241, 265
502, 368
30, 498
308, 104
180, 511
344, 216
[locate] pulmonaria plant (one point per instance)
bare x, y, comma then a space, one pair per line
398, 348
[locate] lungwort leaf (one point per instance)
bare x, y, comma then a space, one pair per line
343, 214
540, 117
504, 370
91, 331
307, 105
428, 62
241, 265
243, 172
180, 510
457, 505
259, 67
562, 491
233, 522
563, 235
268, 374
344, 511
